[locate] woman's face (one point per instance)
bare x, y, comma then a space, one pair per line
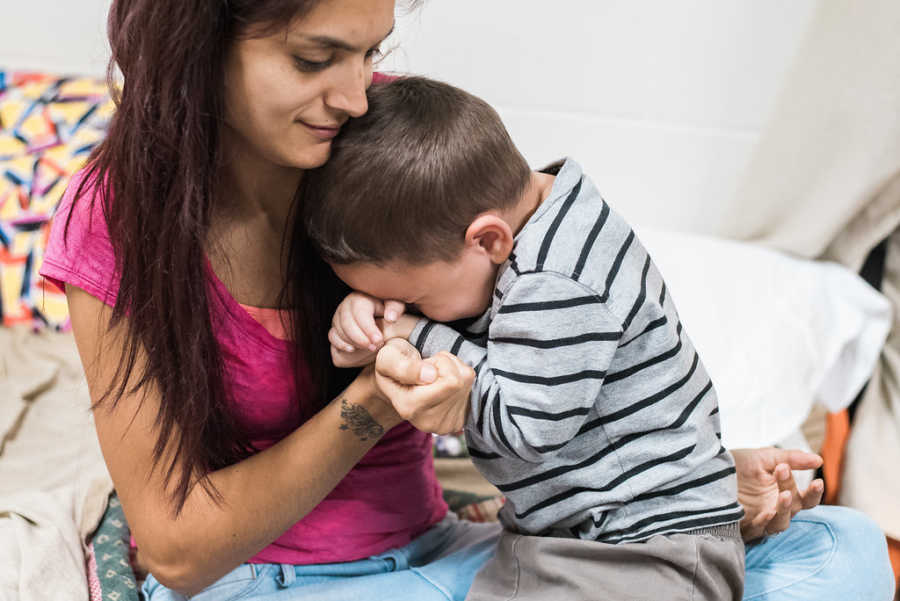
287, 94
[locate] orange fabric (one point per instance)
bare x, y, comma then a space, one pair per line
270, 319
837, 431
894, 551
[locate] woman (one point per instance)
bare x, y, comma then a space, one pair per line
245, 465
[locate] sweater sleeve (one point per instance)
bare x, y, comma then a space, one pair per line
548, 349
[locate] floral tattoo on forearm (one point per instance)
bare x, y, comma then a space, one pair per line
357, 420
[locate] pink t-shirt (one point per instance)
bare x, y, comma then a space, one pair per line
389, 497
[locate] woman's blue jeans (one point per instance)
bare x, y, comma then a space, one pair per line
827, 553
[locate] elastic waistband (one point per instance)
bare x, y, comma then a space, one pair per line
732, 530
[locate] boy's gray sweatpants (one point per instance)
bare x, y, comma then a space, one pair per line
702, 565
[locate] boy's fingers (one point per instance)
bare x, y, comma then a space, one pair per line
376, 307
339, 358
393, 310
360, 304
365, 320
354, 334
339, 343
338, 326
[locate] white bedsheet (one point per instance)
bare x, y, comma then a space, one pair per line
53, 482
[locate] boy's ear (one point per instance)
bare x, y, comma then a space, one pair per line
491, 235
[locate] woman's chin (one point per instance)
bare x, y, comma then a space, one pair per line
312, 157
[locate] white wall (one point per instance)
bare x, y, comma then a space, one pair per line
62, 36
661, 101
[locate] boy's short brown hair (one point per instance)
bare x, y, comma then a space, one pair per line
406, 179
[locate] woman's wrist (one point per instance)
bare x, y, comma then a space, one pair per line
364, 398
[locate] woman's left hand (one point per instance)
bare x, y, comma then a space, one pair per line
437, 403
767, 490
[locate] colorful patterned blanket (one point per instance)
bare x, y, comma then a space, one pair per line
48, 126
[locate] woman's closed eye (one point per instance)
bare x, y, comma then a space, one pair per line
311, 66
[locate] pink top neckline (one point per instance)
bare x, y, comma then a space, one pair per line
271, 319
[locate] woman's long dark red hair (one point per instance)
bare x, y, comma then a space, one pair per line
156, 175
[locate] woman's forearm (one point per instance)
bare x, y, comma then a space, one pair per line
265, 494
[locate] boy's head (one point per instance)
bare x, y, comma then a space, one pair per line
410, 205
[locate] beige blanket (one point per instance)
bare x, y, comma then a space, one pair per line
53, 482
825, 182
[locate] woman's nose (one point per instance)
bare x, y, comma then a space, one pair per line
348, 93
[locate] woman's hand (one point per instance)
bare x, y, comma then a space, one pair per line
767, 490
432, 394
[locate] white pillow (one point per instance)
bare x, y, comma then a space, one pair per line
776, 333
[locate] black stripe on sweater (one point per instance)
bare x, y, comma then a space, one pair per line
696, 483
548, 305
643, 403
642, 296
589, 242
498, 423
423, 335
477, 368
548, 415
708, 522
454, 350
551, 231
479, 454
638, 527
587, 374
558, 342
617, 264
482, 405
656, 323
619, 444
623, 477
625, 373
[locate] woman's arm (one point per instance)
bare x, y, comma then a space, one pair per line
261, 496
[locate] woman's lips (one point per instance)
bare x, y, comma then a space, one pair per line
322, 132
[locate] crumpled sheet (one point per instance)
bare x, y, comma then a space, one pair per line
54, 484
824, 182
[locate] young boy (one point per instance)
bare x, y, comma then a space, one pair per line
590, 411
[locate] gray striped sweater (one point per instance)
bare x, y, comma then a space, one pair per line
591, 410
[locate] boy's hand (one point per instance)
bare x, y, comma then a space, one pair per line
359, 328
